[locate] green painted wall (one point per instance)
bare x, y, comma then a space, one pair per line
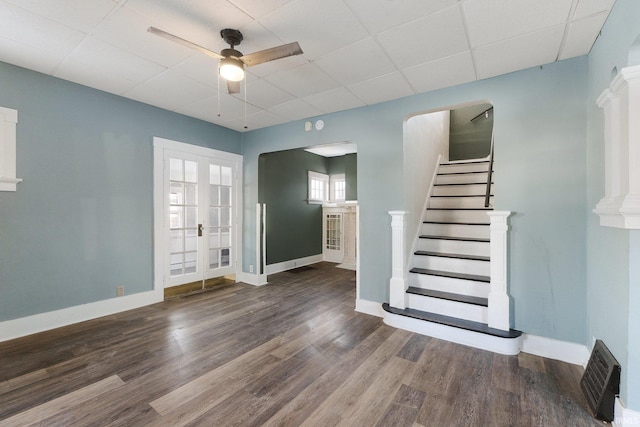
293, 226
348, 165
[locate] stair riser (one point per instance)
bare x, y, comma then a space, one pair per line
465, 216
476, 202
447, 284
456, 230
454, 265
463, 167
460, 310
471, 178
454, 247
460, 190
448, 333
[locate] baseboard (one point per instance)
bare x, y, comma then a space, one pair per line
291, 264
577, 354
24, 326
624, 417
252, 279
369, 307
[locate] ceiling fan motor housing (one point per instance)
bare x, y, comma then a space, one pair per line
231, 36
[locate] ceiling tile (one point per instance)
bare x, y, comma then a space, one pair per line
383, 88
264, 94
591, 7
295, 110
257, 9
362, 60
19, 54
127, 30
380, 15
111, 60
204, 109
491, 20
449, 71
518, 53
334, 100
170, 90
581, 35
38, 32
81, 15
264, 118
302, 81
319, 26
89, 74
435, 36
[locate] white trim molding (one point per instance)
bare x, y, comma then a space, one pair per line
252, 279
398, 283
8, 122
371, 308
620, 206
41, 322
624, 417
291, 264
498, 314
565, 351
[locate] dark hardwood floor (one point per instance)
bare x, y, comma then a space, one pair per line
291, 353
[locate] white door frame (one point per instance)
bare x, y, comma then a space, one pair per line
160, 243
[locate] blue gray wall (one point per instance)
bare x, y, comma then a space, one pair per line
613, 255
540, 129
81, 222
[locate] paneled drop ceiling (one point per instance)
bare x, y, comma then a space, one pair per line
356, 52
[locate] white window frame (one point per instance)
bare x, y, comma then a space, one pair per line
324, 180
8, 121
333, 180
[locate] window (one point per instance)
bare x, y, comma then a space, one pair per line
338, 188
318, 187
8, 120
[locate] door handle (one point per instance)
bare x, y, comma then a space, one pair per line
199, 230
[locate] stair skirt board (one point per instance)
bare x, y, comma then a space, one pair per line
449, 284
474, 313
483, 341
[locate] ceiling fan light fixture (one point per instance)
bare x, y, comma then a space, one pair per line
232, 69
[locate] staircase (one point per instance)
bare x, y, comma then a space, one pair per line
449, 279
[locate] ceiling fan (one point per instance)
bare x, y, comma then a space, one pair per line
232, 62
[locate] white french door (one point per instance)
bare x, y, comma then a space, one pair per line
201, 192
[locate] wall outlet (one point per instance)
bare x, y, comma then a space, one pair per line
251, 269
120, 291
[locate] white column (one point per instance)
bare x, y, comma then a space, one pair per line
498, 297
398, 282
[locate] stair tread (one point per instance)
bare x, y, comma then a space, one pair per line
452, 321
455, 223
449, 296
450, 255
461, 195
452, 275
462, 183
459, 239
461, 173
460, 209
464, 162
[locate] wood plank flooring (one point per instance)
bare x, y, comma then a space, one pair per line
291, 353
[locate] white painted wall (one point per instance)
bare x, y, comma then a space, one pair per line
426, 137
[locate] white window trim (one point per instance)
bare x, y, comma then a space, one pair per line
320, 177
332, 187
8, 121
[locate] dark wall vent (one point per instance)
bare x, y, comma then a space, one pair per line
601, 381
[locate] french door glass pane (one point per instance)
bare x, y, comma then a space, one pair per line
183, 216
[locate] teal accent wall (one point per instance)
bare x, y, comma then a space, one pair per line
540, 176
348, 165
81, 223
613, 255
293, 226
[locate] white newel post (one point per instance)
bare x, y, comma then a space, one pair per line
398, 282
498, 297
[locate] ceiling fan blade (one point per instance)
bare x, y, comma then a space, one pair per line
233, 87
271, 54
183, 42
